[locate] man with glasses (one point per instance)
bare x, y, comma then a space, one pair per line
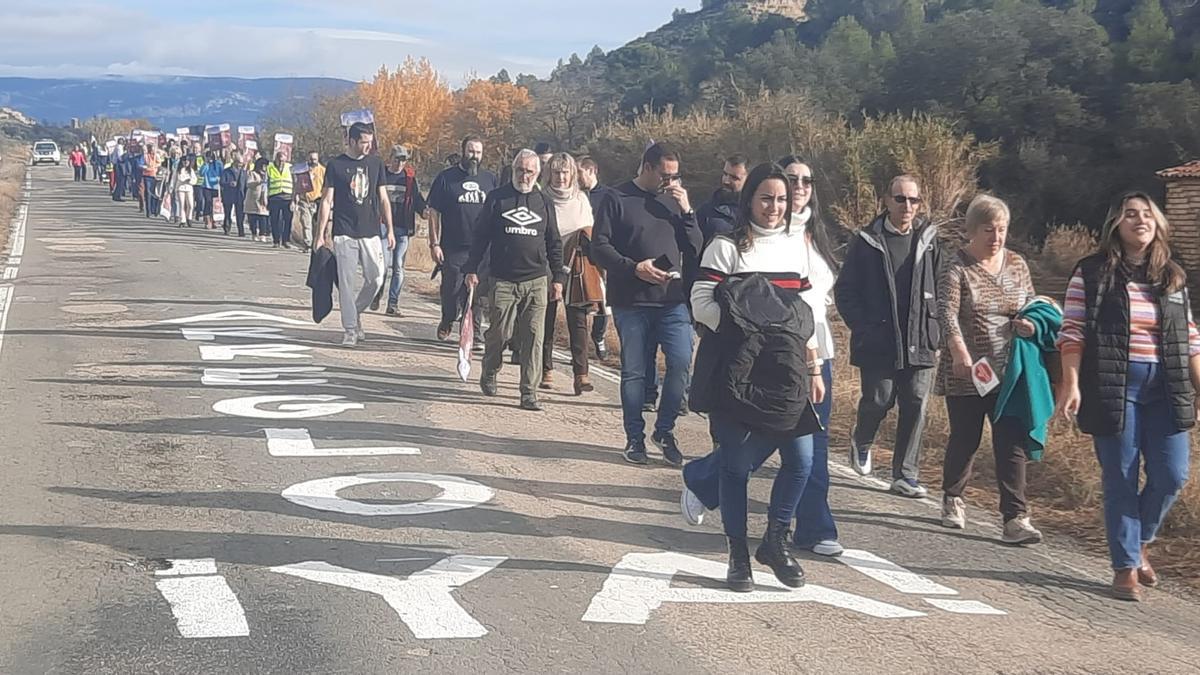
647, 239
887, 295
309, 203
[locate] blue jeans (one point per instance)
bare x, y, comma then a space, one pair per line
1132, 518
741, 451
814, 520
150, 202
398, 255
639, 329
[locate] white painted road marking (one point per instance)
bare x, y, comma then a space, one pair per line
298, 443
204, 606
252, 377
889, 573
252, 332
965, 607
238, 315
422, 601
291, 407
12, 260
457, 493
255, 351
641, 582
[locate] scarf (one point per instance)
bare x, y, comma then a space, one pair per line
572, 209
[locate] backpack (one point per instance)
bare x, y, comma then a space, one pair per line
759, 375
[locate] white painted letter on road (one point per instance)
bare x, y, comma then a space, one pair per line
422, 601
255, 351
203, 603
251, 377
889, 573
641, 583
237, 315
457, 493
298, 443
248, 332
290, 407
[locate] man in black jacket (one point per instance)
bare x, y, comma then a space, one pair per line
519, 226
887, 295
647, 239
589, 179
716, 215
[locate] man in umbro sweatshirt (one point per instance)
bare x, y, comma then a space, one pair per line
647, 239
519, 226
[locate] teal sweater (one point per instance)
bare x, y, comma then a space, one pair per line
1025, 392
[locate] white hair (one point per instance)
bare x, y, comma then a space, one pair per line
525, 154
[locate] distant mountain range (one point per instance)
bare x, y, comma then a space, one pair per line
167, 102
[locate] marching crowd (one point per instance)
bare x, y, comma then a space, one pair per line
735, 295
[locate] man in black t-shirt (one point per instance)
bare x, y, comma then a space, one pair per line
456, 200
355, 195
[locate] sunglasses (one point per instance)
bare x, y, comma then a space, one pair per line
901, 199
806, 181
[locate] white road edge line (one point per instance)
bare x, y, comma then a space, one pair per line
12, 259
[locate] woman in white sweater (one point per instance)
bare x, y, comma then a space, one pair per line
764, 242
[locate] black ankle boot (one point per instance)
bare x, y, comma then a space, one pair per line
773, 553
738, 578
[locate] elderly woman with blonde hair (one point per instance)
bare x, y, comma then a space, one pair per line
982, 288
584, 292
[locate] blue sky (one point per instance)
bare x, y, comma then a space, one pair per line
85, 38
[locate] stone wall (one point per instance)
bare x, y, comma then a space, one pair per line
1183, 211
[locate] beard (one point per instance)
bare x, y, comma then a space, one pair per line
728, 196
471, 166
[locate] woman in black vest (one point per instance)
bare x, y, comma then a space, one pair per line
1128, 340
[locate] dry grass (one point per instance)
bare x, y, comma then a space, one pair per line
1065, 245
12, 175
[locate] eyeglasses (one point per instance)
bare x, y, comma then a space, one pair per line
806, 181
671, 177
901, 199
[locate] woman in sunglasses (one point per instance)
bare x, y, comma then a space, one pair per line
1131, 370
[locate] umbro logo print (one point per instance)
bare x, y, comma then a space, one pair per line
522, 216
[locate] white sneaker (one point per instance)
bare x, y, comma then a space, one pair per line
954, 513
907, 488
1020, 531
828, 547
350, 339
691, 507
860, 460
361, 334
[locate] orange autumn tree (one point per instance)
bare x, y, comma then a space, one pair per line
411, 104
491, 110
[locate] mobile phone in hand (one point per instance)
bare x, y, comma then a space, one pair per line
664, 263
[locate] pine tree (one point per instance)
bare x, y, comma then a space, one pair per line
1148, 48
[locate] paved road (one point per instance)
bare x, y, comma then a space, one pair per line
158, 516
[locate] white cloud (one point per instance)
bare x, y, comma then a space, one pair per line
86, 38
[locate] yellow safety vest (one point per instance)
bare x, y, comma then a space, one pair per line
279, 182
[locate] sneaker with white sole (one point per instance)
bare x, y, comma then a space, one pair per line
828, 547
906, 487
361, 334
860, 460
1020, 531
350, 339
691, 507
954, 513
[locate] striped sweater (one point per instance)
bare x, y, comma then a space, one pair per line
1143, 322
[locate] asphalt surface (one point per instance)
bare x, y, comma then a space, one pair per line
144, 526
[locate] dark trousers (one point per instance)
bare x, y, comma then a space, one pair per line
454, 292
577, 333
967, 414
151, 203
741, 451
121, 184
234, 201
258, 225
97, 171
80, 172
882, 390
280, 207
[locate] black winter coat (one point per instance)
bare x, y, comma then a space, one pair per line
865, 293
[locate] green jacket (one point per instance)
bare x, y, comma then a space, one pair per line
1025, 392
